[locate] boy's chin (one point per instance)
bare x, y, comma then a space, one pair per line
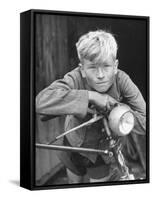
101, 89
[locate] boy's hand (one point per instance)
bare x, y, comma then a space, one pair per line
102, 101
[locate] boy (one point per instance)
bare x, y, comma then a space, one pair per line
97, 82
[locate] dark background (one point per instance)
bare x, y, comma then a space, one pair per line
55, 55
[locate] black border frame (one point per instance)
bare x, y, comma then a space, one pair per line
27, 98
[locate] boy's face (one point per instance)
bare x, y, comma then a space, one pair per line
100, 76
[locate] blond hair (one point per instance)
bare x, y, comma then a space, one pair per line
96, 46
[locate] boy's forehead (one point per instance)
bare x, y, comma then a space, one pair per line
100, 62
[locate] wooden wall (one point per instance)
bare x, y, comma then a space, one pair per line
51, 63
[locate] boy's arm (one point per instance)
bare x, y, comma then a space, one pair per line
68, 96
63, 97
135, 100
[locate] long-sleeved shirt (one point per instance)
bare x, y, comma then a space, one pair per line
69, 96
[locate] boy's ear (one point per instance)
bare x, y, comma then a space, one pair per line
116, 65
82, 70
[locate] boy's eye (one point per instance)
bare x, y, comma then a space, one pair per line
92, 66
107, 65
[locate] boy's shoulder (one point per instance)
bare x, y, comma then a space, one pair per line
76, 77
121, 75
75, 73
123, 80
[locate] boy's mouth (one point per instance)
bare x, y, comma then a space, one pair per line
100, 83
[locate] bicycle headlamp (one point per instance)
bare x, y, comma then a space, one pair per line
121, 120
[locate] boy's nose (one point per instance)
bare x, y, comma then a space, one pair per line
100, 73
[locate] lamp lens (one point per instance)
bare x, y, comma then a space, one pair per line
126, 123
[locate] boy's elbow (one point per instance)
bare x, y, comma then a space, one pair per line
38, 104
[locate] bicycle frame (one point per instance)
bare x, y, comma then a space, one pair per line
113, 150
